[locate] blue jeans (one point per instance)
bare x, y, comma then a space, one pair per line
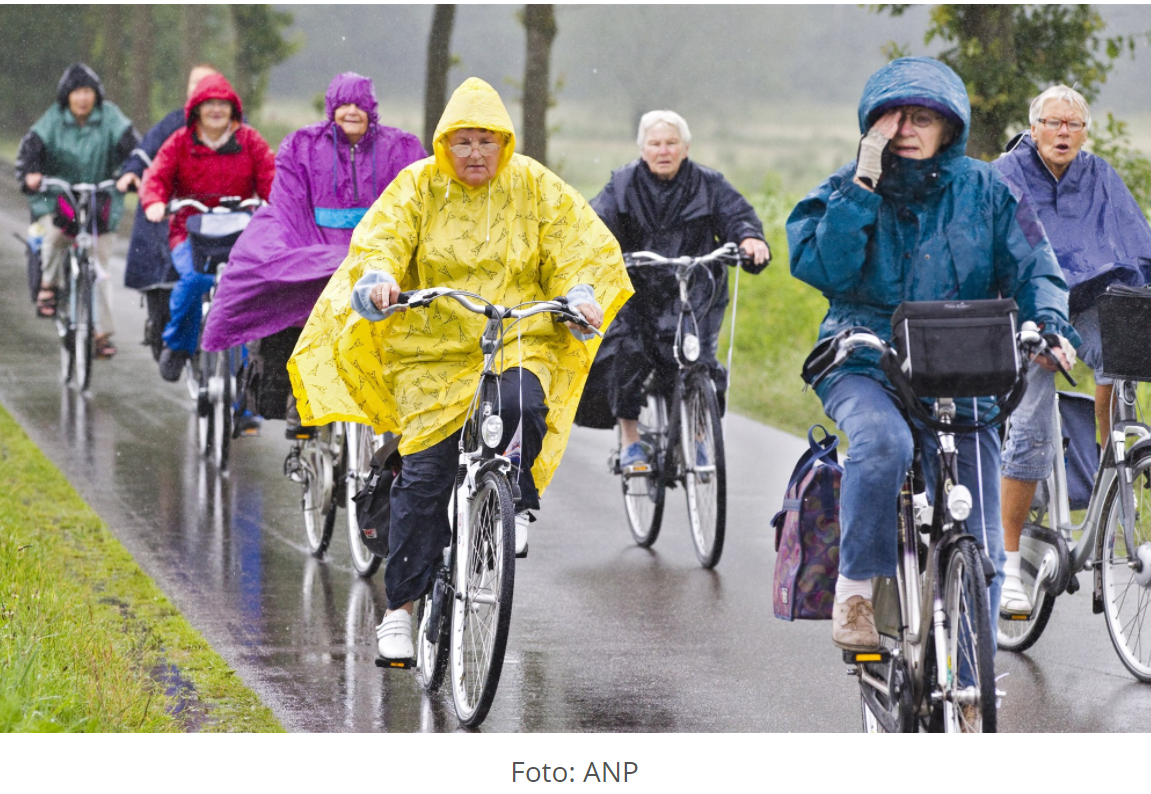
880, 452
183, 331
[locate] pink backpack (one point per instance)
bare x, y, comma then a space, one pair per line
807, 534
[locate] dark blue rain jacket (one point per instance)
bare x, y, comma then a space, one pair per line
149, 263
949, 227
1099, 233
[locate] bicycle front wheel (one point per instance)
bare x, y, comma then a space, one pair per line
85, 331
206, 417
643, 493
1126, 592
705, 473
482, 609
359, 446
220, 390
969, 696
66, 329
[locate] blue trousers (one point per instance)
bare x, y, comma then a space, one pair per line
183, 331
880, 452
420, 526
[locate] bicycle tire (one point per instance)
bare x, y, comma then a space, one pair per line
222, 409
485, 558
317, 503
66, 331
431, 657
358, 441
969, 643
1127, 601
84, 341
206, 418
701, 438
643, 495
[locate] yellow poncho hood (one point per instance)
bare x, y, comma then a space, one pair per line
524, 235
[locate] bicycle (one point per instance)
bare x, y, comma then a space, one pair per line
934, 668
476, 580
1112, 541
680, 423
75, 303
211, 376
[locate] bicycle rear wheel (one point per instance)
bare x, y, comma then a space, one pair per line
485, 559
885, 694
317, 501
1039, 544
221, 393
643, 493
431, 638
84, 342
359, 443
705, 473
1127, 593
969, 696
206, 417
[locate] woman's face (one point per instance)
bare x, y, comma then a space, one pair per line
215, 116
663, 150
1059, 147
483, 154
352, 120
81, 101
920, 133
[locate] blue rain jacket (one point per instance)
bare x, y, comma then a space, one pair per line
950, 227
1099, 233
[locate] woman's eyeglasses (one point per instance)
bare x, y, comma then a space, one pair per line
465, 149
921, 117
1055, 124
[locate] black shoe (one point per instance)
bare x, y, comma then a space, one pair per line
172, 364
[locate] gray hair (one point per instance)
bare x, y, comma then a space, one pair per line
669, 117
1056, 93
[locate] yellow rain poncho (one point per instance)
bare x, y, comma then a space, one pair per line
524, 235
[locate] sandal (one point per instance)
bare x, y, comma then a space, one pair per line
104, 346
46, 302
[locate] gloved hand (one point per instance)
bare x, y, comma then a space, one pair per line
869, 164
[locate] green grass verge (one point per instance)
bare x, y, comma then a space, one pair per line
87, 640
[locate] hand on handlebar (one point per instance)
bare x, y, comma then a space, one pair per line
128, 181
384, 295
591, 312
155, 212
32, 181
757, 249
1059, 348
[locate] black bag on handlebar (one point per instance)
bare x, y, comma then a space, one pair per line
1124, 315
213, 234
957, 348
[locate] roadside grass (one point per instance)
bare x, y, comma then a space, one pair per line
88, 643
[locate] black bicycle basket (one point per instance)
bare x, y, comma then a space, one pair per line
1124, 316
957, 348
213, 235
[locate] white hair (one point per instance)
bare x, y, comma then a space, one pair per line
1057, 93
669, 117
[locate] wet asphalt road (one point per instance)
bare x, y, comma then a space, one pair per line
605, 636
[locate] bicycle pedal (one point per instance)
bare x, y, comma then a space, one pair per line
1012, 616
856, 657
395, 664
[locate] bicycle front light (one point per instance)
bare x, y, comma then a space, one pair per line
492, 431
690, 347
959, 503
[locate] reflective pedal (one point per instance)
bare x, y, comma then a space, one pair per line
856, 657
395, 664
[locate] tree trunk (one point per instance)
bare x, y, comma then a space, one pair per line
192, 36
139, 106
540, 22
112, 47
439, 63
991, 28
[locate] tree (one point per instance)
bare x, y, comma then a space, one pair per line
138, 105
540, 24
260, 45
439, 64
1007, 54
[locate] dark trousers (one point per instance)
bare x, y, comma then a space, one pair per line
420, 526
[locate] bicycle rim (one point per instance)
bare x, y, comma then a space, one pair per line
969, 697
482, 609
360, 444
643, 495
85, 332
205, 415
1127, 599
67, 335
705, 475
316, 502
222, 409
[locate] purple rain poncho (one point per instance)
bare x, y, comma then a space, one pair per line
1098, 231
323, 186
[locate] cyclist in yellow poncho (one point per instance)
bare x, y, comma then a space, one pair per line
475, 216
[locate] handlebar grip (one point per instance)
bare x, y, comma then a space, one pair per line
405, 297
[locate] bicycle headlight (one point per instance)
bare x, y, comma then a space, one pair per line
690, 347
492, 431
959, 503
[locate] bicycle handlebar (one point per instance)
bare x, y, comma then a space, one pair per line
728, 253
558, 306
72, 188
227, 204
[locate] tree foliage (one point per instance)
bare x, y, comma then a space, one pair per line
260, 44
1007, 55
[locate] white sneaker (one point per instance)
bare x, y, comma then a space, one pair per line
522, 521
395, 636
1014, 599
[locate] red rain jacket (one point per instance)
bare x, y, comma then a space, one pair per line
186, 168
